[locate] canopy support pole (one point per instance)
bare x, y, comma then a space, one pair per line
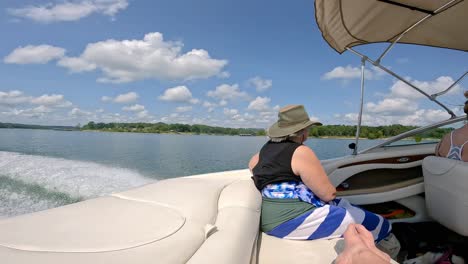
438, 10
403, 80
358, 129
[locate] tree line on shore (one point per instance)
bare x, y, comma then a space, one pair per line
28, 126
317, 131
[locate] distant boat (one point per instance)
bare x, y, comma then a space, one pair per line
245, 135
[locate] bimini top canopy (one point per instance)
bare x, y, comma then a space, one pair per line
348, 23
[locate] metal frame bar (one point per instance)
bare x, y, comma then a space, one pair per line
376, 63
434, 96
414, 132
358, 129
411, 27
403, 80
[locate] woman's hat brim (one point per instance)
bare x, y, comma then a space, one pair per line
276, 131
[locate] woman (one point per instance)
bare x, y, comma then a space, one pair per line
452, 145
298, 199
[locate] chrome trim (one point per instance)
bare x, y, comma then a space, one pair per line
415, 131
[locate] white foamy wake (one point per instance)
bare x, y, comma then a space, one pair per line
30, 183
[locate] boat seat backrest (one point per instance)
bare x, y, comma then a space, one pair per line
446, 187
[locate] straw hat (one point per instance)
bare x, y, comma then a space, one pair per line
291, 118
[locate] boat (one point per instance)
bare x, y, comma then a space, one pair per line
214, 218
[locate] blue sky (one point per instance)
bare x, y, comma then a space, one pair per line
225, 63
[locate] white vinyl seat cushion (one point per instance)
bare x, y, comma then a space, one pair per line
446, 187
210, 218
99, 225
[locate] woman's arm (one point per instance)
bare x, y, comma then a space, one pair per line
253, 161
305, 164
439, 145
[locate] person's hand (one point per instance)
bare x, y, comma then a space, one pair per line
360, 247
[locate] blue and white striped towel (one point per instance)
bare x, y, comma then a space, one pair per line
327, 220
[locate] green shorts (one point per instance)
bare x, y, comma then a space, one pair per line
278, 211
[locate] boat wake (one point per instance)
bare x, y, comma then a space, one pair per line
31, 183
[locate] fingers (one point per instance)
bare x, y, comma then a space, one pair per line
350, 230
365, 235
368, 239
363, 232
351, 235
359, 240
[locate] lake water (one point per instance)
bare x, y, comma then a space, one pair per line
41, 169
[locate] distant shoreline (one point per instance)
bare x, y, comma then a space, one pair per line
181, 133
343, 132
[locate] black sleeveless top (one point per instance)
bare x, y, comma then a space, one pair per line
274, 164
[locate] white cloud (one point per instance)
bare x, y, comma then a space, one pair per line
394, 106
230, 112
182, 109
178, 94
34, 54
420, 117
55, 100
129, 97
223, 103
233, 115
424, 117
400, 89
149, 58
260, 104
401, 104
143, 114
14, 97
106, 98
208, 104
76, 64
341, 72
227, 92
260, 84
77, 112
112, 117
224, 75
32, 112
134, 108
49, 109
126, 98
69, 11
350, 72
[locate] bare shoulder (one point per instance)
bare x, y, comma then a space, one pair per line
304, 152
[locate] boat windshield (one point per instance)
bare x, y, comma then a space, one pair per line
430, 136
